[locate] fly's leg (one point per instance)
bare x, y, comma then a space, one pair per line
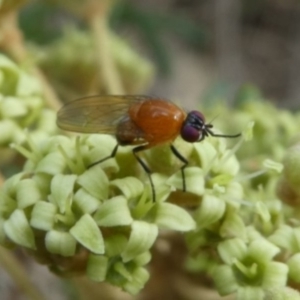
144, 166
113, 154
185, 163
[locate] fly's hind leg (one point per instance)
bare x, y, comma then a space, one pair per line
185, 163
144, 166
113, 154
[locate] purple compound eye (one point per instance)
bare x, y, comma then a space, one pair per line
190, 133
198, 115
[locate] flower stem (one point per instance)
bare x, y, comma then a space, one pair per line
106, 64
19, 275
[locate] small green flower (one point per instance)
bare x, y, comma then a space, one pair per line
249, 269
280, 134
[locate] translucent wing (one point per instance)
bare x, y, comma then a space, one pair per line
96, 114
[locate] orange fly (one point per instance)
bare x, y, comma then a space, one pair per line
136, 120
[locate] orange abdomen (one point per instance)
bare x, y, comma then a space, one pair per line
159, 120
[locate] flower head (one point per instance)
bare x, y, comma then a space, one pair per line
249, 268
21, 106
100, 221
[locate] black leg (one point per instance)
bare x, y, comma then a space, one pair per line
145, 167
185, 163
113, 154
222, 135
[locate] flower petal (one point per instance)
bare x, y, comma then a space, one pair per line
85, 202
18, 229
113, 212
275, 275
283, 237
262, 251
173, 217
142, 237
43, 215
97, 267
232, 249
139, 278
294, 267
210, 210
53, 163
62, 187
95, 181
87, 233
61, 243
224, 279
194, 180
131, 187
250, 293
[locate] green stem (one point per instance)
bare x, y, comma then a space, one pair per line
106, 64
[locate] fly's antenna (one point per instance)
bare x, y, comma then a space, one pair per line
210, 122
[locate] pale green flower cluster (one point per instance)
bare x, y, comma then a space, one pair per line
275, 129
21, 106
253, 249
57, 207
76, 71
235, 247
241, 228
102, 221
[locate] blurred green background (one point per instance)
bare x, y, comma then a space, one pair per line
202, 50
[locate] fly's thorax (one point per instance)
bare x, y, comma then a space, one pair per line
159, 120
128, 133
